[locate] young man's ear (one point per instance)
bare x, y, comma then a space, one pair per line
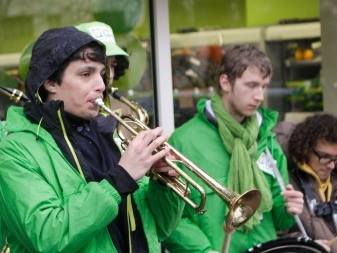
224, 84
50, 86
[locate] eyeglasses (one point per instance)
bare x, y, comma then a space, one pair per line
324, 159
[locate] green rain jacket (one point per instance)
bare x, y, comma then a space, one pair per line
2, 228
47, 206
2, 129
200, 141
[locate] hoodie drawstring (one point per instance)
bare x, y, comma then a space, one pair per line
72, 151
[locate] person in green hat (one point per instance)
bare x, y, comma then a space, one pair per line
117, 58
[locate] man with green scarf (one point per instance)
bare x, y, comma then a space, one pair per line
229, 138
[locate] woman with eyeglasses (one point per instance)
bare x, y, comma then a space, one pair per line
312, 150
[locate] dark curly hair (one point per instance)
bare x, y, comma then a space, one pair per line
306, 135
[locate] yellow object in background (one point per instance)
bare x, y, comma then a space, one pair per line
308, 54
299, 54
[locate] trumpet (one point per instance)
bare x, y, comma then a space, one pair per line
140, 112
241, 206
14, 94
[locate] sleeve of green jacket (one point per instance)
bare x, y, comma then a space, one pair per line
166, 206
2, 129
190, 237
46, 222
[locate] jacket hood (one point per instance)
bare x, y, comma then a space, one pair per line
51, 49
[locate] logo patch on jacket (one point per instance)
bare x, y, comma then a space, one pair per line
265, 163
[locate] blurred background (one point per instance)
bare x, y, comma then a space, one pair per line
298, 36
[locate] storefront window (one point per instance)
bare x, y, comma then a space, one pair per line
21, 22
200, 30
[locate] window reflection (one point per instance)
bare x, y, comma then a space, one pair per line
199, 36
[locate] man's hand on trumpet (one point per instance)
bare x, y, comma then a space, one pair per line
162, 167
141, 154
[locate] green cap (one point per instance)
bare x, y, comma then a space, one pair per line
103, 32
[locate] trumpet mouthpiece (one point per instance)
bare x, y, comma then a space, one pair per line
99, 102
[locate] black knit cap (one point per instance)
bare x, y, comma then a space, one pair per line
51, 49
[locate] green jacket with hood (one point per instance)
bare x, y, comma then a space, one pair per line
46, 205
200, 141
2, 229
2, 129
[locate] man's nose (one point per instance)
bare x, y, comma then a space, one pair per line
259, 95
332, 164
100, 84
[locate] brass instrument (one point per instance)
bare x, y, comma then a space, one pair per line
6, 248
14, 94
241, 207
140, 112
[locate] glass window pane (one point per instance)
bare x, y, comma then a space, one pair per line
200, 31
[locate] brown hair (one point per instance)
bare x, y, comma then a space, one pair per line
237, 58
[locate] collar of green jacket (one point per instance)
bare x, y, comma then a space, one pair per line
17, 122
269, 121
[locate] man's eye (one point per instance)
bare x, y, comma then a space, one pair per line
328, 158
85, 74
251, 85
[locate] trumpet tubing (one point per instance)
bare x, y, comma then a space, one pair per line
139, 111
181, 188
241, 207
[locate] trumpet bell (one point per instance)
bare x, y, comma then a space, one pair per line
242, 208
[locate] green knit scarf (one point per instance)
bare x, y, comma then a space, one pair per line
240, 141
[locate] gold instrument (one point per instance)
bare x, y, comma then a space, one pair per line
241, 207
6, 249
14, 94
140, 112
